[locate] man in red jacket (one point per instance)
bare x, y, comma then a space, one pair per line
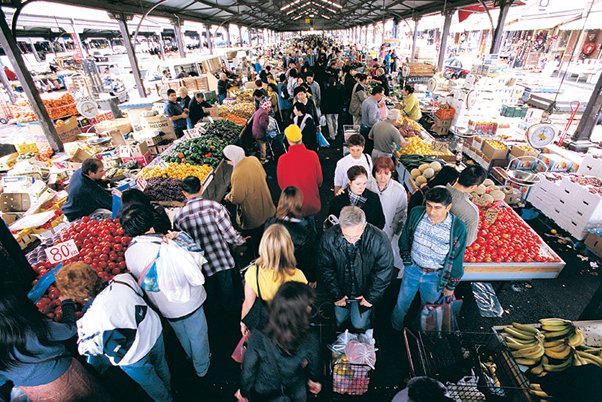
301, 168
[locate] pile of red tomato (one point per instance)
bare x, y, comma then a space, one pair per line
509, 240
101, 244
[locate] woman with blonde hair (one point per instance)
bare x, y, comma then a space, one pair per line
302, 230
276, 265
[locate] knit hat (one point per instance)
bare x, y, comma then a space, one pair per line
293, 133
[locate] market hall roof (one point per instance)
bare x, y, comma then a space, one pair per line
279, 15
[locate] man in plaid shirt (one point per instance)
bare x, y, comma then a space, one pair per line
208, 223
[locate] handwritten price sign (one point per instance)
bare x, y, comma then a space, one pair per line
61, 252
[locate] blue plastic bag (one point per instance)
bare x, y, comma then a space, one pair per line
322, 142
38, 290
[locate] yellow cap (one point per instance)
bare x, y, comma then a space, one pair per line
293, 133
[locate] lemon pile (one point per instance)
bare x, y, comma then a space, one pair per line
176, 171
419, 147
496, 145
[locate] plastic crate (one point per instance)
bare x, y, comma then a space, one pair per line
350, 379
446, 114
454, 357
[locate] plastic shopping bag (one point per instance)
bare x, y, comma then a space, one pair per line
441, 316
177, 272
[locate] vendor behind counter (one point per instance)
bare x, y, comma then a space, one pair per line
86, 195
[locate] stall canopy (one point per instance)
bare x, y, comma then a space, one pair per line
535, 23
593, 21
285, 15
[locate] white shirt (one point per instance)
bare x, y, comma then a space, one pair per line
119, 306
141, 252
394, 200
340, 172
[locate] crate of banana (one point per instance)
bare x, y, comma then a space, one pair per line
555, 346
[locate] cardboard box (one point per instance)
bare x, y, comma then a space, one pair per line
71, 135
15, 202
116, 135
555, 163
594, 243
133, 150
80, 156
123, 125
591, 166
142, 160
213, 111
492, 153
160, 123
26, 147
522, 150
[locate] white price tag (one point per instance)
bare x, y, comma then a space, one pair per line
141, 183
62, 251
162, 164
194, 133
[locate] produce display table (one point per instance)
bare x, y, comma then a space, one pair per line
501, 271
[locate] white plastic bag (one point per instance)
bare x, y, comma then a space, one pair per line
178, 271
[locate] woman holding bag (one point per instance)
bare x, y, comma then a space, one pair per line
276, 265
186, 317
282, 362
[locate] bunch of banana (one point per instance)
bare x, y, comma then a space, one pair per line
561, 339
588, 356
536, 390
526, 343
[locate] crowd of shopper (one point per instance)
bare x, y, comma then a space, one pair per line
372, 235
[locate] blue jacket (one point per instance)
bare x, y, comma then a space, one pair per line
85, 196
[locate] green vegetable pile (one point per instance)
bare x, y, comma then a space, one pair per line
198, 151
225, 129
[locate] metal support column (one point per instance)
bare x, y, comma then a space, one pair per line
239, 35
9, 45
77, 38
444, 35
498, 33
161, 46
209, 41
395, 27
414, 39
6, 84
177, 31
588, 119
125, 34
366, 35
228, 40
34, 51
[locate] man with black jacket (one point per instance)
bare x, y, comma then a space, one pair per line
355, 264
195, 109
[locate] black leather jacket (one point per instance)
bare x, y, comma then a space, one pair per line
371, 268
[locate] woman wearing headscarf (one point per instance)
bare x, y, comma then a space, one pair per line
250, 194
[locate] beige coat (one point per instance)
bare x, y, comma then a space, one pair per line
357, 97
250, 193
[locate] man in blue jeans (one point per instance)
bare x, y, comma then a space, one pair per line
355, 263
432, 247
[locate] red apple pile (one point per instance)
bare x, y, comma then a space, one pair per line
508, 240
101, 244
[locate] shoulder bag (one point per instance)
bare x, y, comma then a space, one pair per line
257, 316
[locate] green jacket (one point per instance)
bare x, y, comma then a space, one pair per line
453, 268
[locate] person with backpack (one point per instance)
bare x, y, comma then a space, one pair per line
117, 328
185, 315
